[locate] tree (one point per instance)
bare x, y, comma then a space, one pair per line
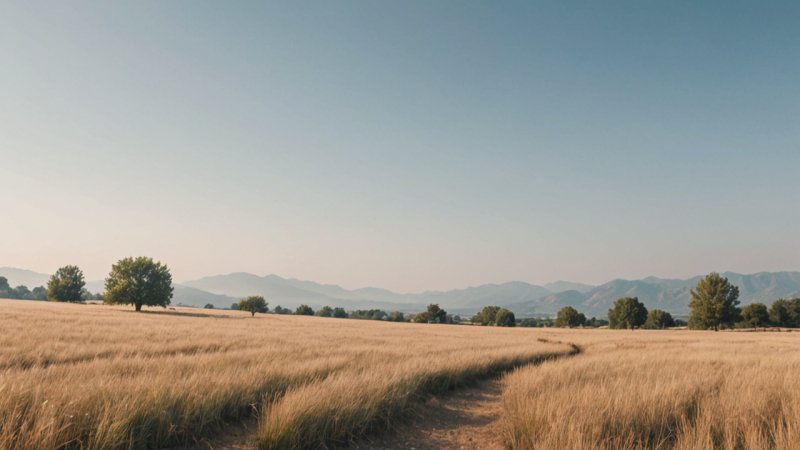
235, 306
487, 316
66, 285
139, 281
714, 303
785, 313
505, 318
325, 311
755, 315
569, 317
435, 314
304, 310
339, 312
396, 316
281, 310
628, 312
209, 306
5, 288
39, 293
253, 304
659, 319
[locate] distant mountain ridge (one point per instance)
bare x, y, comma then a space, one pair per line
524, 299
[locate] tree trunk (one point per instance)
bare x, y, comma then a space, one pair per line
138, 307
253, 313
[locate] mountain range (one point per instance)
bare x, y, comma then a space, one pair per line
524, 299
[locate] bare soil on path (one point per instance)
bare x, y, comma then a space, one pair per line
467, 418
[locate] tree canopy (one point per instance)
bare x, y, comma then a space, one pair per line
755, 315
139, 281
785, 313
304, 310
505, 318
714, 303
569, 317
487, 316
253, 304
628, 312
66, 285
659, 319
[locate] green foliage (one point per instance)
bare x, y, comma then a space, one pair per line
325, 311
569, 317
535, 323
714, 303
594, 322
304, 310
5, 288
505, 318
487, 316
66, 285
628, 312
253, 304
659, 319
436, 314
281, 310
340, 313
235, 306
368, 314
785, 313
139, 281
396, 316
755, 315
209, 306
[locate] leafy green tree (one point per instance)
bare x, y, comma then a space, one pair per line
304, 310
22, 292
569, 317
281, 310
487, 316
66, 285
235, 306
325, 311
139, 281
435, 314
505, 318
659, 319
714, 303
628, 312
253, 304
340, 313
209, 306
785, 313
39, 293
755, 315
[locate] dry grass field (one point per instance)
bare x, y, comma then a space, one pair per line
101, 377
92, 376
668, 389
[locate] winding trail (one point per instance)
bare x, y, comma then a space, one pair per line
468, 418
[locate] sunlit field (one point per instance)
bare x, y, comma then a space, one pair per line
640, 389
101, 377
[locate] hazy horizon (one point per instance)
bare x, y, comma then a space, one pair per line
411, 146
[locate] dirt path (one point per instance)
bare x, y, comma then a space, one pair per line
469, 418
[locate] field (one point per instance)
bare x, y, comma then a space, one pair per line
88, 376
85, 376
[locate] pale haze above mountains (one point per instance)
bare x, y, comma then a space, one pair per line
524, 299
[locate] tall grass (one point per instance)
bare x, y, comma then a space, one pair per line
660, 390
100, 377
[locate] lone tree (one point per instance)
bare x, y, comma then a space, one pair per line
755, 315
304, 310
505, 318
139, 281
628, 312
66, 285
569, 317
714, 303
253, 304
659, 319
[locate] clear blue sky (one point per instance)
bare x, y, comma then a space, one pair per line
408, 145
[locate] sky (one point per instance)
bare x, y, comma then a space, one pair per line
409, 145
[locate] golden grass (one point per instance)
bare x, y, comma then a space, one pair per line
660, 390
100, 377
